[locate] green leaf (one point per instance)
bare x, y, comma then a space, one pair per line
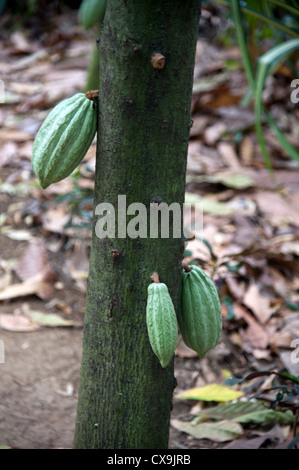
228, 302
245, 412
187, 253
267, 63
294, 442
266, 416
242, 41
212, 392
229, 411
280, 25
289, 149
265, 66
220, 432
294, 306
2, 8
292, 377
49, 319
209, 247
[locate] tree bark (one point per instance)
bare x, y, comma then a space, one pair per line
125, 396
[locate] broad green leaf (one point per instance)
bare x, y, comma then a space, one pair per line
49, 319
245, 412
267, 416
220, 432
212, 392
229, 411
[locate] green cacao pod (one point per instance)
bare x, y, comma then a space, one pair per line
199, 313
64, 138
92, 12
161, 322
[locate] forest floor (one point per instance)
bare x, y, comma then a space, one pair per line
251, 223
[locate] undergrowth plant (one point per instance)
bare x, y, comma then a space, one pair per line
283, 18
286, 391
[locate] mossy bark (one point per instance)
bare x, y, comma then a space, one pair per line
125, 396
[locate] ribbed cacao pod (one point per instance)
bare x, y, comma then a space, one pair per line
161, 322
64, 138
199, 313
92, 12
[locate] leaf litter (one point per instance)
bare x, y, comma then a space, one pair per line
250, 225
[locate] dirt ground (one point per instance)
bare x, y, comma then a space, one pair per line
39, 382
39, 389
251, 225
40, 374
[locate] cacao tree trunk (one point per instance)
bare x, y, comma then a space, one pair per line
125, 396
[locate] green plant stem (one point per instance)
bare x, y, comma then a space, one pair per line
260, 16
240, 33
285, 6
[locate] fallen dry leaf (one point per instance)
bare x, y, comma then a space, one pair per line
35, 270
280, 210
7, 153
5, 279
13, 135
55, 219
213, 133
246, 150
35, 260
280, 340
14, 322
229, 156
258, 303
267, 441
35, 285
255, 334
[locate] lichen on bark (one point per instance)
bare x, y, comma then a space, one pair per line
125, 396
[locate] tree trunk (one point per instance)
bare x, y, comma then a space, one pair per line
125, 396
